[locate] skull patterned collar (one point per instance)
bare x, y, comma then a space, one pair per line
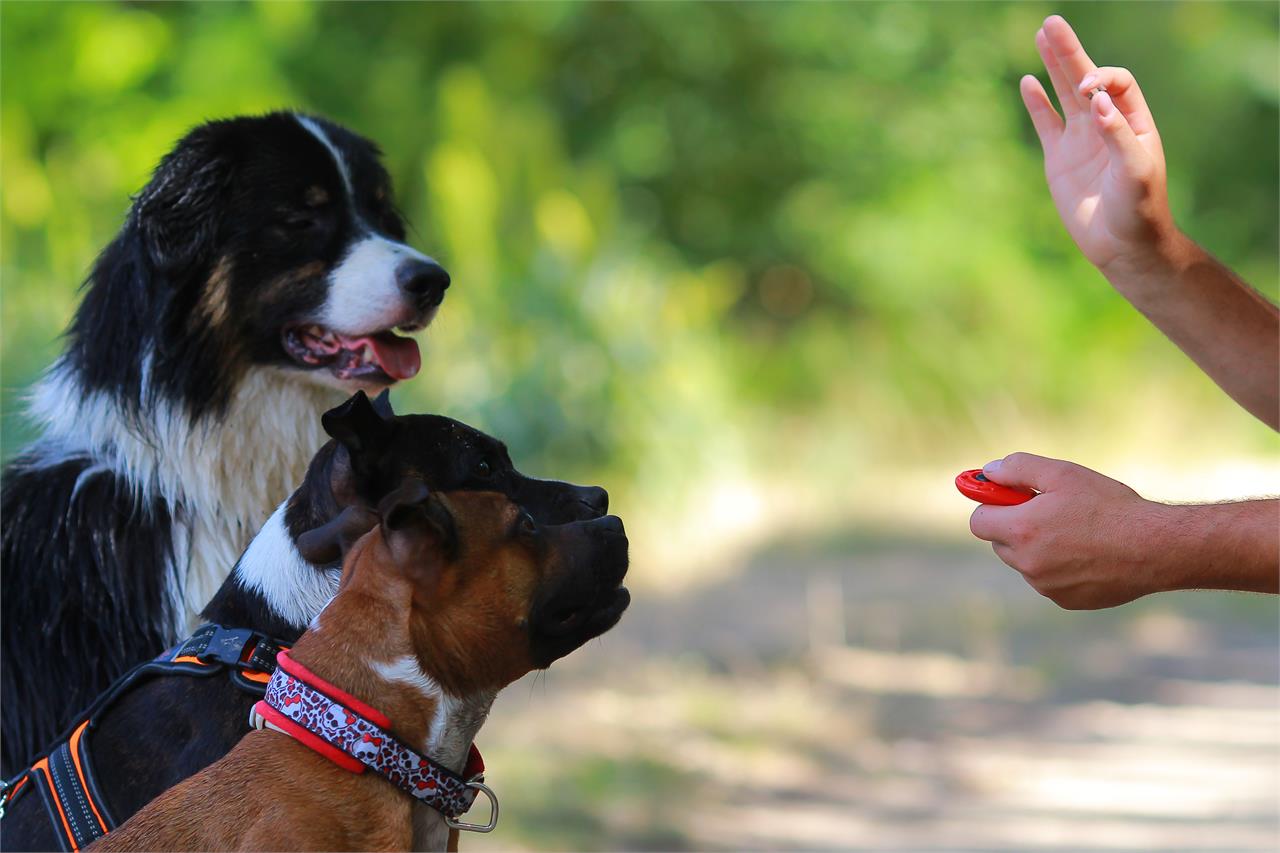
355, 736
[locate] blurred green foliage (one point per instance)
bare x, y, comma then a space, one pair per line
686, 238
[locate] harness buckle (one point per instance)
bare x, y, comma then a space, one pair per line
226, 645
6, 791
454, 823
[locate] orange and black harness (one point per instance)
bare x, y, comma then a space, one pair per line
64, 774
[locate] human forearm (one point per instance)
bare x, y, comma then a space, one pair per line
1087, 541
1217, 546
1225, 326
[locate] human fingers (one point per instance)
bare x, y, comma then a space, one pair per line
1068, 50
1120, 84
990, 523
1072, 104
1006, 554
1133, 159
1044, 117
1028, 471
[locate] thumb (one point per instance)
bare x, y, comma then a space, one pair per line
1127, 151
1026, 470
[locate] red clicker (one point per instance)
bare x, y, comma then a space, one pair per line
975, 486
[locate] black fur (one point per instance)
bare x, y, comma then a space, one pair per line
65, 618
231, 241
163, 730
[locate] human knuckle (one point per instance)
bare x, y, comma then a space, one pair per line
1022, 531
1111, 74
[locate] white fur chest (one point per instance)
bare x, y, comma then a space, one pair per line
429, 829
220, 477
453, 727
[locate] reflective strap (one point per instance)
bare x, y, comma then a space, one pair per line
53, 806
79, 745
263, 657
80, 813
64, 776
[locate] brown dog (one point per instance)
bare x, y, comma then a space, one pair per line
444, 602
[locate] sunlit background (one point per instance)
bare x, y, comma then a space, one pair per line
773, 274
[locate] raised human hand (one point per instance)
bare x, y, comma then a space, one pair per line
1102, 156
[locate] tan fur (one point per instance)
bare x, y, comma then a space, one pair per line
316, 196
279, 287
215, 301
462, 620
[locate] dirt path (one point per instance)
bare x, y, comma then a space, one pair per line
898, 696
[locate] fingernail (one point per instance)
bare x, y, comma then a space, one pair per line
1087, 83
992, 467
1105, 107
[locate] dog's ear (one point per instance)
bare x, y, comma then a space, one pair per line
330, 542
357, 426
401, 507
178, 211
382, 405
413, 515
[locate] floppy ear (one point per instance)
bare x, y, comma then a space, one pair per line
178, 212
330, 542
382, 405
413, 511
356, 425
401, 507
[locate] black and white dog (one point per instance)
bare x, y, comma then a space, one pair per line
160, 731
258, 280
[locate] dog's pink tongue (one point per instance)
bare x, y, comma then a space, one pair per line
398, 357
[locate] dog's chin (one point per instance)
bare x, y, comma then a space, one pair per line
607, 616
324, 379
564, 635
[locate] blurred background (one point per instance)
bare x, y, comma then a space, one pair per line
773, 274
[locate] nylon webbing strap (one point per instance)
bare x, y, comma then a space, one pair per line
64, 775
215, 644
263, 656
78, 815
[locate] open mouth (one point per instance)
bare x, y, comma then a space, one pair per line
380, 356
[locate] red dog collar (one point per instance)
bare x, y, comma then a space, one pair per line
354, 736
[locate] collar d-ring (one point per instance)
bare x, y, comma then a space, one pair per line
482, 788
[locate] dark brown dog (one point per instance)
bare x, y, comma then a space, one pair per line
446, 600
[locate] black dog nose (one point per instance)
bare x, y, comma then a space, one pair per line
426, 281
595, 498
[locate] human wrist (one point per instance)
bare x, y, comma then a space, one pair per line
1151, 266
1175, 538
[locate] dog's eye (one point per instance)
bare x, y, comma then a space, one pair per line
527, 524
483, 468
